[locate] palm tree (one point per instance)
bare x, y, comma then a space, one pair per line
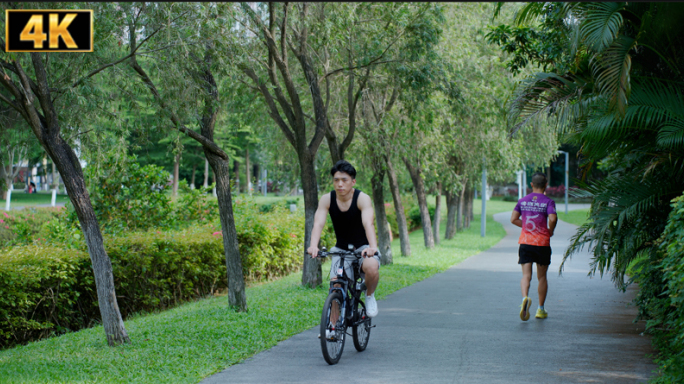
622, 101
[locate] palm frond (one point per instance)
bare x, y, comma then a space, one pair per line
547, 94
600, 24
628, 213
611, 69
529, 13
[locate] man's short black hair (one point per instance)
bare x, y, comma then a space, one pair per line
539, 180
343, 166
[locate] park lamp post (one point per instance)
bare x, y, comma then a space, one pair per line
567, 186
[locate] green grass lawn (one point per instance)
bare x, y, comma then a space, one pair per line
20, 198
195, 340
577, 217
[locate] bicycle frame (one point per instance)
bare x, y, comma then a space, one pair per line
347, 286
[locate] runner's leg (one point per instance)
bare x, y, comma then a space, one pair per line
543, 283
526, 278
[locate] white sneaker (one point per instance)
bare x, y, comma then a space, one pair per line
371, 306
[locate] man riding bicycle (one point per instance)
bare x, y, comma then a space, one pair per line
352, 216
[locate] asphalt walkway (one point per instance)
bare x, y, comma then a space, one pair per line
463, 326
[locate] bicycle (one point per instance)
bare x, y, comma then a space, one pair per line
345, 292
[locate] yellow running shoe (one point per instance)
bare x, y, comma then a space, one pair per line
525, 309
541, 314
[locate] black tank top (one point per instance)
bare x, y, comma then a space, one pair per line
348, 225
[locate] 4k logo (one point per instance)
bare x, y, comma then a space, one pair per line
48, 30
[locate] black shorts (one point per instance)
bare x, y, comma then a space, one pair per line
534, 254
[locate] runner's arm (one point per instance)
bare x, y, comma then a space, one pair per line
553, 220
515, 219
368, 217
319, 221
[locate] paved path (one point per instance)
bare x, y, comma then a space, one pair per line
463, 326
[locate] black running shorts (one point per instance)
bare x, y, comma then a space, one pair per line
534, 254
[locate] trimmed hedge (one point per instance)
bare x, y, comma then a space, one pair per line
48, 290
42, 292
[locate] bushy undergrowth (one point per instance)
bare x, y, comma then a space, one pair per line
49, 290
22, 227
163, 252
661, 296
411, 212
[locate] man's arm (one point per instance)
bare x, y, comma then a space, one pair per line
515, 219
319, 222
553, 220
367, 217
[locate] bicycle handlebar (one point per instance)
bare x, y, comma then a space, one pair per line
325, 254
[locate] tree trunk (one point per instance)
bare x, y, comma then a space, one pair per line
55, 176
4, 175
176, 167
461, 205
70, 168
437, 217
236, 172
452, 201
248, 178
257, 176
311, 273
384, 244
399, 209
467, 204
206, 173
419, 187
471, 205
192, 180
236, 281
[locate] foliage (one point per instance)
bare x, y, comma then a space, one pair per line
128, 196
193, 205
42, 292
26, 226
540, 44
661, 296
153, 270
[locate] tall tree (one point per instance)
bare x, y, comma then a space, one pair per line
200, 62
55, 95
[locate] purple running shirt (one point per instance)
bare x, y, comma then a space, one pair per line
535, 209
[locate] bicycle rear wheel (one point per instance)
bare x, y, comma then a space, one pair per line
361, 332
332, 335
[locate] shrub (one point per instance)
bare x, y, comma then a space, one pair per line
49, 290
41, 292
194, 205
127, 196
413, 220
661, 295
19, 186
25, 226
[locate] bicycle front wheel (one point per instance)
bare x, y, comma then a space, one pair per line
332, 333
361, 329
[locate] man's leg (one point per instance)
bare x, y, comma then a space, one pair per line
526, 278
543, 283
371, 268
525, 289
